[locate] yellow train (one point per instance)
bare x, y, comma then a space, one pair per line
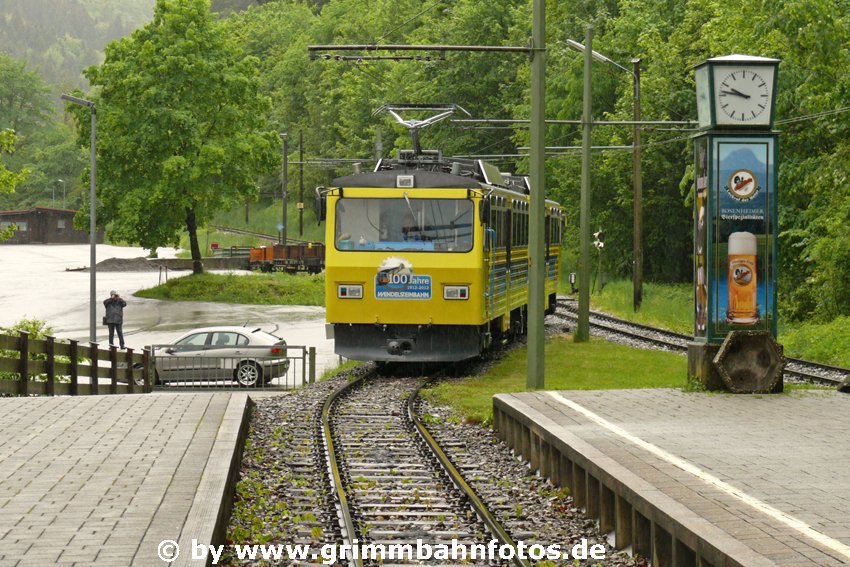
427, 259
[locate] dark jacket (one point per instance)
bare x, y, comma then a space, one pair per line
114, 310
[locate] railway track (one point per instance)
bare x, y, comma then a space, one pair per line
260, 235
620, 330
394, 485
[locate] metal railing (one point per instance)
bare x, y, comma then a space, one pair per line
212, 366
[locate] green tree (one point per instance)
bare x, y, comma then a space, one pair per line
8, 179
182, 127
24, 98
44, 148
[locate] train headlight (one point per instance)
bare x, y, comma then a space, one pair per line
456, 292
349, 291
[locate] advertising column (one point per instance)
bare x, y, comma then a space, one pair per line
742, 287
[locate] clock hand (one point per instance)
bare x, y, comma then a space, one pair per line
735, 92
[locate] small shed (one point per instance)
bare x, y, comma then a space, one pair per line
45, 225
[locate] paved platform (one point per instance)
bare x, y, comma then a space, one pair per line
102, 480
697, 479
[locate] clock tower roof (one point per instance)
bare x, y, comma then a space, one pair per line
736, 58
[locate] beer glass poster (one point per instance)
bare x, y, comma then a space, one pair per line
744, 279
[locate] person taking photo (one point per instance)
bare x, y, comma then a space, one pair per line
114, 318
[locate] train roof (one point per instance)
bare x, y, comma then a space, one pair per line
430, 170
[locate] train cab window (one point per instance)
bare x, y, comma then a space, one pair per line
422, 225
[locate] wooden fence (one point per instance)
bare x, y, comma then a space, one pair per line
49, 367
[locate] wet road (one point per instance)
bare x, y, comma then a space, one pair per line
34, 283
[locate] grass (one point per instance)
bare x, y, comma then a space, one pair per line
669, 306
828, 343
255, 288
597, 365
346, 366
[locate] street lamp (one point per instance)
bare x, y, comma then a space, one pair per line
92, 212
62, 181
637, 183
583, 327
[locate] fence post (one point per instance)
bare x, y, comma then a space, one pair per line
312, 364
93, 352
72, 352
303, 365
50, 347
23, 370
128, 357
146, 373
113, 369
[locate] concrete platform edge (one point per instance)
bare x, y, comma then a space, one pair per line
642, 517
210, 512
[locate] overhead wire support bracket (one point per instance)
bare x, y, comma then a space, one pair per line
425, 58
314, 50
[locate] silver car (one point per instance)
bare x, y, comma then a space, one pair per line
249, 357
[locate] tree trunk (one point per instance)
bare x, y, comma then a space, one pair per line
192, 228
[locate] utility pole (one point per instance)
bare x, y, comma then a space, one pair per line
284, 185
583, 327
637, 184
537, 170
92, 212
301, 183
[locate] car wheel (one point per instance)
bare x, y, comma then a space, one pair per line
248, 374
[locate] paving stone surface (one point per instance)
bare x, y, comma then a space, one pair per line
101, 480
782, 461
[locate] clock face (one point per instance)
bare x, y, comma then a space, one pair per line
743, 95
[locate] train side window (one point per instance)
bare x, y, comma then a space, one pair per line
503, 226
525, 227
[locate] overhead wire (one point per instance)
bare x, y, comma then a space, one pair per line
407, 21
814, 116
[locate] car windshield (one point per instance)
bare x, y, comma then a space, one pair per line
426, 225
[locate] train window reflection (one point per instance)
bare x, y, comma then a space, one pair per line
423, 225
